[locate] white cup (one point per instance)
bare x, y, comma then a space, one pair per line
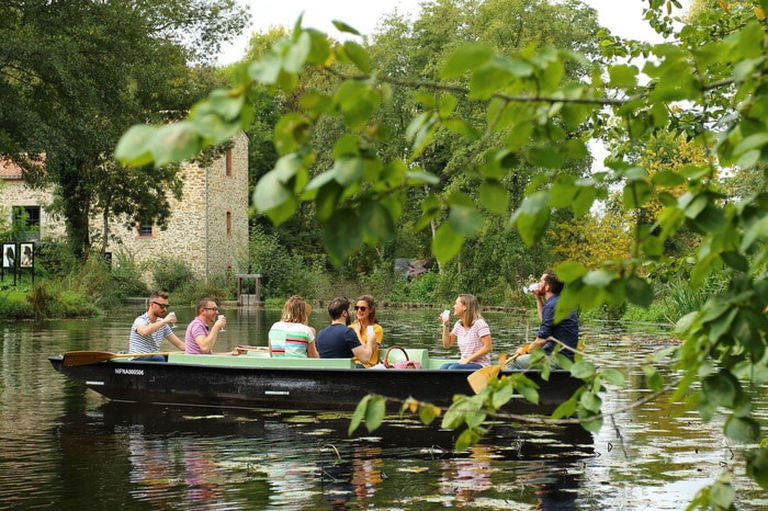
173, 323
445, 315
222, 329
369, 334
530, 288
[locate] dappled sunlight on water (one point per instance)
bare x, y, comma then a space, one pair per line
66, 448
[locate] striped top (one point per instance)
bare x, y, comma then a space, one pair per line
290, 340
469, 341
147, 343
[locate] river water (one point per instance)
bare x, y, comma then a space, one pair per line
65, 447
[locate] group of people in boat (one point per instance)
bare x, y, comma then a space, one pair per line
356, 334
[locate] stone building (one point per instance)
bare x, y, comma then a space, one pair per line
208, 228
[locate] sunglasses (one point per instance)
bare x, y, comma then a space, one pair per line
163, 305
211, 308
362, 308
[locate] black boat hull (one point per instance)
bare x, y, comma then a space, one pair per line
292, 388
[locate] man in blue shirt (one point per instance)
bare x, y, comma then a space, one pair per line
340, 341
566, 331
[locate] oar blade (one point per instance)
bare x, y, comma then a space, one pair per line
82, 358
479, 379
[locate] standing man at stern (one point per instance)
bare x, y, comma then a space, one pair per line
149, 329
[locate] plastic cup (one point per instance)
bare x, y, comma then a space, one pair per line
223, 329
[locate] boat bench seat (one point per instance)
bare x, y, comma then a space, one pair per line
257, 361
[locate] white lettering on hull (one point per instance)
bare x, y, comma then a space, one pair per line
134, 372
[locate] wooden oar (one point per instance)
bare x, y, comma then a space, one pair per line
81, 358
479, 379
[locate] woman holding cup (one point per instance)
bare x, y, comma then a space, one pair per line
470, 332
367, 325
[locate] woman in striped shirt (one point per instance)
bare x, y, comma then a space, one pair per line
291, 337
470, 332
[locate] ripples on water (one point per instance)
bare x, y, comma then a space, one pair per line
62, 447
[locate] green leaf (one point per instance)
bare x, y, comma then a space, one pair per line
446, 243
465, 439
465, 58
639, 291
134, 146
735, 260
653, 378
721, 389
583, 370
343, 27
427, 414
494, 197
721, 495
591, 402
502, 395
667, 178
377, 224
742, 429
757, 466
528, 392
297, 54
374, 412
569, 271
358, 414
622, 76
613, 376
636, 194
465, 220
358, 56
348, 170
342, 234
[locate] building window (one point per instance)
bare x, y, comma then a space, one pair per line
228, 160
26, 221
229, 223
145, 230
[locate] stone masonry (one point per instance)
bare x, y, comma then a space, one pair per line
208, 228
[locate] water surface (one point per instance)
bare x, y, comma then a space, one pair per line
65, 447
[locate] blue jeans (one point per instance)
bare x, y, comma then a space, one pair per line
152, 358
456, 365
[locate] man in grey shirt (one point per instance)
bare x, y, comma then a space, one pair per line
149, 329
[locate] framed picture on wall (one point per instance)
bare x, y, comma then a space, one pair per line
26, 255
9, 255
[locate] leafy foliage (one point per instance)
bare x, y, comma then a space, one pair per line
504, 112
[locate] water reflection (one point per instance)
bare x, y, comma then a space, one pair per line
63, 446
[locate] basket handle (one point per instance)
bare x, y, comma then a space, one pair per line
386, 355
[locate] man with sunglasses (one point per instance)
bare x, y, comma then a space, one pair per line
204, 329
340, 341
149, 329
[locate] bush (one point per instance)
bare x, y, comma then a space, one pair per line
285, 274
170, 274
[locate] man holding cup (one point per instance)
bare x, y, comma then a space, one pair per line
201, 336
149, 329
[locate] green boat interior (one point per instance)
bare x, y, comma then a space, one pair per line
261, 358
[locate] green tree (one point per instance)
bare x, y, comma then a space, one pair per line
711, 86
80, 73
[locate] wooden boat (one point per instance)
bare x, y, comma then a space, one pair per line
254, 380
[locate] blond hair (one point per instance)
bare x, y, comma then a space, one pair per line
296, 310
472, 313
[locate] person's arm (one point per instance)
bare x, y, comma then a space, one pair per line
150, 328
540, 306
363, 352
176, 341
449, 338
206, 342
487, 347
312, 350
